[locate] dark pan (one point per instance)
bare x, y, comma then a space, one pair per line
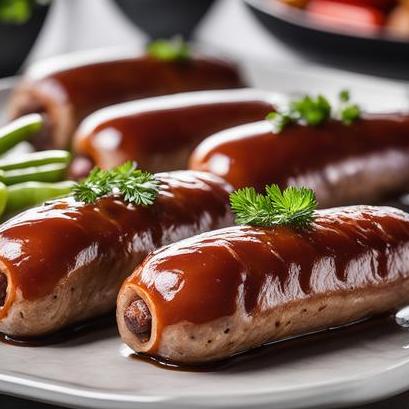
380, 54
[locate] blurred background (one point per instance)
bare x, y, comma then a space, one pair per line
367, 36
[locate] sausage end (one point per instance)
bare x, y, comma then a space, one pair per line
3, 288
138, 320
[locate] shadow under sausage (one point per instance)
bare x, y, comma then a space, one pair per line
79, 334
282, 353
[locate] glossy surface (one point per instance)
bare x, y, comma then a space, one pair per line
93, 86
342, 371
81, 88
207, 277
300, 153
43, 245
145, 130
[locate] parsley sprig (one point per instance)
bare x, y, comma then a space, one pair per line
314, 111
135, 186
169, 50
294, 206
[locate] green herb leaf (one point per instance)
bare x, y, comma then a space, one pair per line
314, 112
18, 11
344, 95
135, 186
250, 207
279, 120
15, 11
169, 50
311, 111
350, 113
294, 206
306, 110
347, 112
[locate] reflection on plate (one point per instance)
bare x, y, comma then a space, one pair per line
337, 368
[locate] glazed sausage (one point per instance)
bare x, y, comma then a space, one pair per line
360, 163
64, 262
69, 88
227, 291
160, 133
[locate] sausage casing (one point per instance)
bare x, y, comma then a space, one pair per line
160, 133
359, 163
69, 88
224, 292
64, 261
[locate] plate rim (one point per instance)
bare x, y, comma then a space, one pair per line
348, 391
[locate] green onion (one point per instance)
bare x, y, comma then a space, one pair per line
19, 130
35, 159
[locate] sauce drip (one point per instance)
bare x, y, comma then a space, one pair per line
72, 332
207, 277
269, 353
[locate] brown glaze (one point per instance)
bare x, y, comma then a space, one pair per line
210, 270
42, 245
152, 131
208, 277
321, 157
79, 88
67, 252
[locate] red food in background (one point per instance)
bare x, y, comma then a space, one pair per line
384, 5
340, 14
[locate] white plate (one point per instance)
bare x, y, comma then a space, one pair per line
346, 367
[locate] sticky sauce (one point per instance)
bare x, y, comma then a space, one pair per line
300, 153
91, 86
201, 279
67, 334
108, 236
269, 353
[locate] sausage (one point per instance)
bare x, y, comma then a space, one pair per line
138, 319
344, 164
3, 288
160, 133
64, 262
69, 88
227, 291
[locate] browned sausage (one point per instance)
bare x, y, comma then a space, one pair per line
69, 88
160, 133
3, 288
64, 262
230, 290
138, 319
344, 164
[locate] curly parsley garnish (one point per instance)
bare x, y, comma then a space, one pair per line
294, 206
169, 50
134, 185
314, 112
